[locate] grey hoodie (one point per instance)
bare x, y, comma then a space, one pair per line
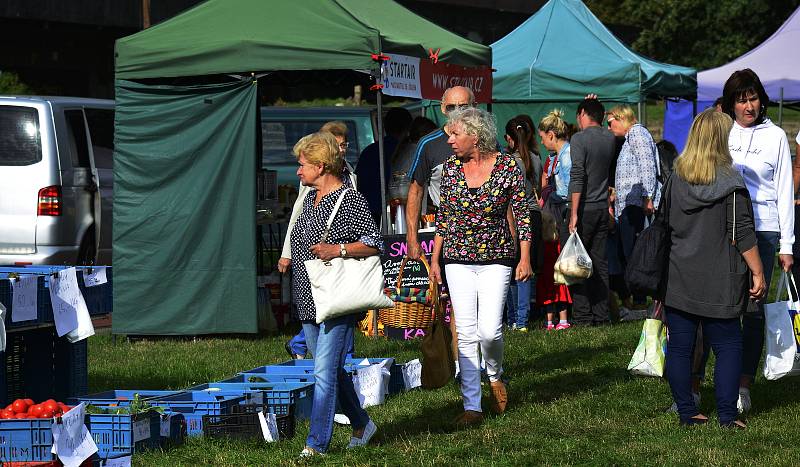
707, 276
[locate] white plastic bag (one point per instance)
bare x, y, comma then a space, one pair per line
782, 333
573, 264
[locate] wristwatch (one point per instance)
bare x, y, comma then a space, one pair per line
342, 250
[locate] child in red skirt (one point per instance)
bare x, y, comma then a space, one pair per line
551, 296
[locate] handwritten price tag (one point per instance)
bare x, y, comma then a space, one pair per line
23, 306
71, 439
97, 277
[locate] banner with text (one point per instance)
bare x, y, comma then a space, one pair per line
421, 78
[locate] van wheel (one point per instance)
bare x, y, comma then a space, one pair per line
86, 253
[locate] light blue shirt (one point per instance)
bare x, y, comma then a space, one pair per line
561, 171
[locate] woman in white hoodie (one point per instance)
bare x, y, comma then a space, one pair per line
760, 152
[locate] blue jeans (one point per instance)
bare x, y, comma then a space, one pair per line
309, 335
519, 302
725, 337
753, 323
332, 383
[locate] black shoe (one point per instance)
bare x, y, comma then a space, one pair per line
289, 350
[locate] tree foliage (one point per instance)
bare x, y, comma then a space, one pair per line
11, 84
698, 33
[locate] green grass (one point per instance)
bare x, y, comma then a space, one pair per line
571, 402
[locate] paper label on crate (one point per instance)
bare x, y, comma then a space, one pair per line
69, 308
71, 440
2, 328
97, 277
269, 426
372, 384
23, 304
412, 374
124, 461
141, 430
165, 427
256, 398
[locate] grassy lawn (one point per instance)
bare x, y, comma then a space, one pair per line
571, 402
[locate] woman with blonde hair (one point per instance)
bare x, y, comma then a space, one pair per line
712, 257
554, 298
635, 193
352, 233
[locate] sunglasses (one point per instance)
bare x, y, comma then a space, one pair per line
610, 119
344, 146
452, 107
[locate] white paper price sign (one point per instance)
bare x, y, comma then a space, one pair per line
24, 304
269, 426
412, 374
372, 383
96, 277
69, 307
72, 442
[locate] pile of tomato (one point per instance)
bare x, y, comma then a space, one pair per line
25, 408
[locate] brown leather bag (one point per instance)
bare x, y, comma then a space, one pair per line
438, 365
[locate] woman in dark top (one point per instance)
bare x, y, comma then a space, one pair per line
480, 187
713, 254
352, 233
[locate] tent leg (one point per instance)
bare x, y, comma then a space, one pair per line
384, 227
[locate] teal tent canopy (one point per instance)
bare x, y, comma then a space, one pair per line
185, 156
563, 52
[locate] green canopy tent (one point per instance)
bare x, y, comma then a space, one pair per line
562, 53
184, 208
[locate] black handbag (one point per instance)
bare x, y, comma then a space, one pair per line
647, 264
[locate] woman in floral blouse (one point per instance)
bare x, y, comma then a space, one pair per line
637, 189
482, 192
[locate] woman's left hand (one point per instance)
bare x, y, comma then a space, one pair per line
524, 271
325, 251
786, 262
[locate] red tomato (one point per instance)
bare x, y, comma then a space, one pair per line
10, 407
50, 405
6, 414
29, 401
35, 411
22, 415
46, 413
19, 406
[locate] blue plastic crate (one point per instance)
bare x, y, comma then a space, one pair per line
26, 440
119, 434
193, 405
276, 396
71, 366
273, 378
120, 397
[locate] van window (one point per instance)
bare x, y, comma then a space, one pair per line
101, 128
79, 146
278, 139
20, 142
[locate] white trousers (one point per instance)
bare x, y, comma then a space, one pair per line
478, 294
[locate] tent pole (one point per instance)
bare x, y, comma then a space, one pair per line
780, 109
694, 107
384, 227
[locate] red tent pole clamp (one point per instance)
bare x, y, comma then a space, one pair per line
434, 56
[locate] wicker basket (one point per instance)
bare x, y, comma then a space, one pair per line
410, 315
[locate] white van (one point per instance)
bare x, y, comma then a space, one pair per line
56, 180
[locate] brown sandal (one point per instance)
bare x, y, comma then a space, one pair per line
499, 396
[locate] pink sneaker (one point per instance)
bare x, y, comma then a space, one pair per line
551, 326
560, 326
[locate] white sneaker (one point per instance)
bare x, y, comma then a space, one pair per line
369, 431
341, 419
744, 404
310, 452
674, 407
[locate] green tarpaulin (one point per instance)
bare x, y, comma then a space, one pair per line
184, 209
228, 36
184, 233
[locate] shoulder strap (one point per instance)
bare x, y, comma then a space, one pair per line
666, 200
333, 215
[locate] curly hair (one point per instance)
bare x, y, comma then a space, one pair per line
476, 122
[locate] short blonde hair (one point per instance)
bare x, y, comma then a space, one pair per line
320, 148
554, 121
706, 148
336, 127
624, 113
476, 122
